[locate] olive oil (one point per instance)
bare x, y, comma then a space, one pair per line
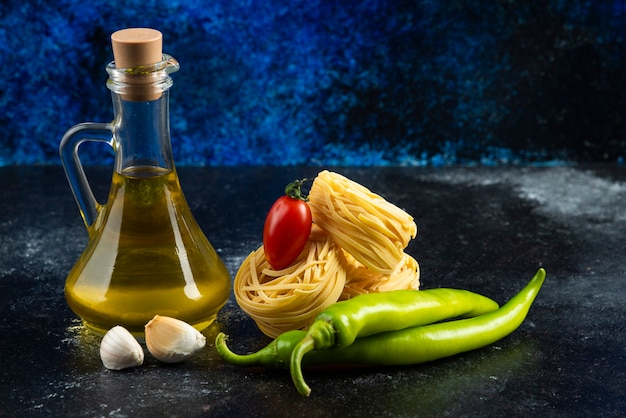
146, 256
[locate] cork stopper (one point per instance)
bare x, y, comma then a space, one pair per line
136, 47
133, 49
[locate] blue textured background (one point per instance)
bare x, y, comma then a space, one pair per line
324, 82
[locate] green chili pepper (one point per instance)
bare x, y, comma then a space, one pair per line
429, 342
364, 315
411, 345
343, 322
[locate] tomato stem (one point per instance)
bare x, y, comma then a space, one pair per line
294, 191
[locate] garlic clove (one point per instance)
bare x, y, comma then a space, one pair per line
171, 340
120, 350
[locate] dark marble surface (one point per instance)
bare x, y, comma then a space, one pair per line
483, 229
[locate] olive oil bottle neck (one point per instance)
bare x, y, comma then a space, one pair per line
139, 80
142, 134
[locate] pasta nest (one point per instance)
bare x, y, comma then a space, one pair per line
287, 299
374, 231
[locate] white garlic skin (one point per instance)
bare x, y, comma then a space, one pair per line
171, 340
120, 350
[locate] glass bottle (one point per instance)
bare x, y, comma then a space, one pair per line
146, 254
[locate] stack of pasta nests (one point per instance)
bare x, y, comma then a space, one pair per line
356, 246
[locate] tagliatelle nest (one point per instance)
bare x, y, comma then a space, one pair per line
361, 280
371, 229
291, 298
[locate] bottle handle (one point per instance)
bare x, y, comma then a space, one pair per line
68, 150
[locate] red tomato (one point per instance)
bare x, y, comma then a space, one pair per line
286, 231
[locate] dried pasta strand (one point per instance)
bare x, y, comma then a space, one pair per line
280, 301
374, 231
361, 280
